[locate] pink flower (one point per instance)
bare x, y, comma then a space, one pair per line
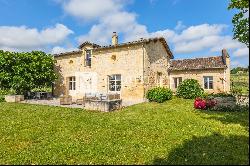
200, 103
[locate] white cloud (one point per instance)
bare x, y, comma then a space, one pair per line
58, 49
92, 9
241, 52
196, 45
24, 38
112, 16
121, 22
109, 15
179, 26
199, 31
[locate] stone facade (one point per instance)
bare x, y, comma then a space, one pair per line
217, 68
141, 65
219, 85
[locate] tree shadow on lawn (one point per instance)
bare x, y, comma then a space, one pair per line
214, 149
241, 118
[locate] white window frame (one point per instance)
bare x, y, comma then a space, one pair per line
115, 80
177, 81
208, 80
72, 83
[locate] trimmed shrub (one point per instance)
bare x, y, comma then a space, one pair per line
220, 95
189, 89
2, 98
159, 94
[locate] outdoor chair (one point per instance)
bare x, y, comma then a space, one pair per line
66, 100
113, 96
80, 101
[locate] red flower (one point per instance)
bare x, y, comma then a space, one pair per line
200, 103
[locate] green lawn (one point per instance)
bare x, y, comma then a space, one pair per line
148, 133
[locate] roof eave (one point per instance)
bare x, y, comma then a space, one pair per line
207, 68
67, 53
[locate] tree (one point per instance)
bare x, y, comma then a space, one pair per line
25, 71
241, 20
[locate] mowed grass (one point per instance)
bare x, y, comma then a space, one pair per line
148, 133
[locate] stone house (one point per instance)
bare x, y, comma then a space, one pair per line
131, 68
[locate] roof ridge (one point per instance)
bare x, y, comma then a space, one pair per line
197, 58
68, 52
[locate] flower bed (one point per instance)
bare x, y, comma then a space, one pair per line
225, 104
204, 104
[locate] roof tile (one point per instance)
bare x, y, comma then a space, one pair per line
197, 63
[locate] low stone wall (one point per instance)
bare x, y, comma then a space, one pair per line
232, 101
242, 100
14, 98
103, 105
225, 101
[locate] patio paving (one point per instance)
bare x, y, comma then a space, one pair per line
52, 102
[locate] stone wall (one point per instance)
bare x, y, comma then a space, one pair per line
218, 76
242, 100
127, 61
104, 106
138, 65
156, 62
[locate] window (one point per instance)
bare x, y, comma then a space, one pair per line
115, 83
72, 83
177, 81
88, 58
208, 82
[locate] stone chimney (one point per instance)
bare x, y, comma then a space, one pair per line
114, 39
226, 57
226, 60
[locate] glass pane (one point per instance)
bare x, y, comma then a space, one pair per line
118, 88
74, 86
112, 87
118, 77
175, 82
118, 82
211, 84
180, 80
112, 77
70, 86
205, 83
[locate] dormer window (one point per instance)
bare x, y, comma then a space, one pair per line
88, 58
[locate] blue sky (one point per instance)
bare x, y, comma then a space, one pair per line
192, 28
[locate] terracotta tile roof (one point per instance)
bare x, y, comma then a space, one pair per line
161, 39
98, 47
198, 63
68, 53
88, 43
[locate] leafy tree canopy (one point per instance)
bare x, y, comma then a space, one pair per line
236, 69
241, 20
25, 71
